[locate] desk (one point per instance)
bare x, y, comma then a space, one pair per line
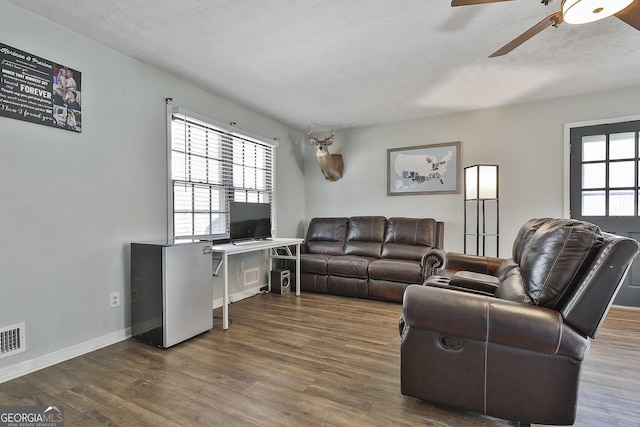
221, 254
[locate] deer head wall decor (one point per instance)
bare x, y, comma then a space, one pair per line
330, 164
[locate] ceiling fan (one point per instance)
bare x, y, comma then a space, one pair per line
571, 12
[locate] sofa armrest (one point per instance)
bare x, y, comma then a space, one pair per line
475, 281
431, 261
491, 320
476, 263
443, 282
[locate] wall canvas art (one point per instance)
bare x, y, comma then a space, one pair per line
424, 169
36, 90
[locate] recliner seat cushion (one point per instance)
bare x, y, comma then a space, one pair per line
512, 288
396, 270
314, 263
557, 253
349, 266
506, 268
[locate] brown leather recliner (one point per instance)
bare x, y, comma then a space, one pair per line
508, 339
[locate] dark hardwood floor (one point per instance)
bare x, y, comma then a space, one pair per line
287, 360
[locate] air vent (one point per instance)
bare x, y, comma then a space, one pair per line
251, 276
12, 340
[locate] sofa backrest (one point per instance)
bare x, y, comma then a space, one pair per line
557, 256
410, 238
365, 235
589, 303
524, 237
326, 236
573, 267
374, 236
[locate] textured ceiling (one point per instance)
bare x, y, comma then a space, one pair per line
344, 63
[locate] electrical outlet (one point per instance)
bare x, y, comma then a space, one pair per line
115, 300
134, 295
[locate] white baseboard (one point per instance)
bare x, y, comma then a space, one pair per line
28, 366
217, 303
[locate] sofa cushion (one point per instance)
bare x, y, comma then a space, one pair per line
524, 236
395, 270
313, 283
409, 238
506, 268
512, 288
349, 266
314, 263
326, 248
348, 286
387, 290
365, 235
557, 253
326, 236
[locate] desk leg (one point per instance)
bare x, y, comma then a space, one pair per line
225, 292
298, 269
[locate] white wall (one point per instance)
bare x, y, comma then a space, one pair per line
71, 203
526, 141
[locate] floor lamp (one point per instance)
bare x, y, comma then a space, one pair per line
480, 188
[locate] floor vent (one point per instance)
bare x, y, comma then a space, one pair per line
12, 340
251, 276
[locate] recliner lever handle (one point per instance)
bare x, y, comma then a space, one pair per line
451, 343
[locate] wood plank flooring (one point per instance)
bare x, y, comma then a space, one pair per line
287, 360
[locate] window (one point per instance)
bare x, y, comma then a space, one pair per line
209, 166
609, 174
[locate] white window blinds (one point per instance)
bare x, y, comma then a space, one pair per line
209, 167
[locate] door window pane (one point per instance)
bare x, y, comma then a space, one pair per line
594, 147
594, 175
622, 174
622, 146
593, 203
621, 203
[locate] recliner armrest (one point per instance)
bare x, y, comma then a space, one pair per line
475, 281
476, 263
491, 320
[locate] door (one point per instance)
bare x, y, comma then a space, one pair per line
605, 187
187, 291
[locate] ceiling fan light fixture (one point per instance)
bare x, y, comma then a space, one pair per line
585, 11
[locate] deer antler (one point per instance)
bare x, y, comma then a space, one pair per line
329, 139
312, 139
325, 142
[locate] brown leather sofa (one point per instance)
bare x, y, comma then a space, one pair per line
507, 337
369, 256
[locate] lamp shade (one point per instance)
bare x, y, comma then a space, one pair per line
481, 182
584, 11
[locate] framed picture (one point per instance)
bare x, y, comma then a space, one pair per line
424, 169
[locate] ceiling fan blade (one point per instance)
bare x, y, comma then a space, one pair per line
631, 15
554, 19
455, 3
